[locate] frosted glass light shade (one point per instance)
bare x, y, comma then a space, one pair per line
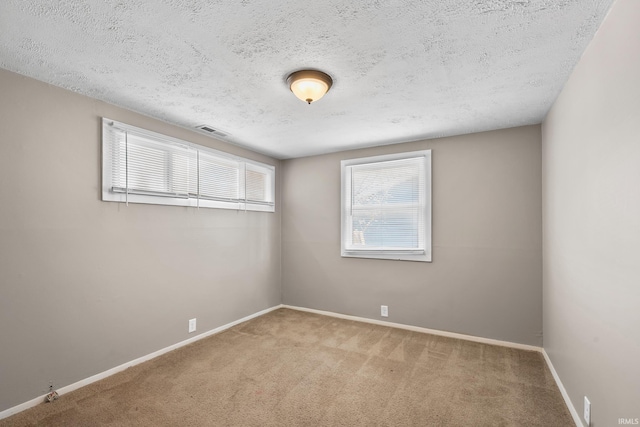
309, 85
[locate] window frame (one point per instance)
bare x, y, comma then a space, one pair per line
191, 200
388, 253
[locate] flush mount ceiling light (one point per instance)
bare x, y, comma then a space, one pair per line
309, 85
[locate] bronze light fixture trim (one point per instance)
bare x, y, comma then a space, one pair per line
309, 85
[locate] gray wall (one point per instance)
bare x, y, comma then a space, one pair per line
87, 285
591, 169
485, 278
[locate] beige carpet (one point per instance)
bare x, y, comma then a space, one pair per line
289, 368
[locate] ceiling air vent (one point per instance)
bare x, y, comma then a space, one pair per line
210, 130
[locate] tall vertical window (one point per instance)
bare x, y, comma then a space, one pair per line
139, 166
386, 207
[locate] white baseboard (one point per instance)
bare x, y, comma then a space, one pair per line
563, 391
40, 399
565, 395
71, 387
420, 329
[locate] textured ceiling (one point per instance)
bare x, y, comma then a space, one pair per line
403, 70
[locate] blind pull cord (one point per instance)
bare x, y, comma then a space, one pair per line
245, 188
126, 167
198, 176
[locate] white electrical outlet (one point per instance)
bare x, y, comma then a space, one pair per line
587, 411
384, 311
192, 325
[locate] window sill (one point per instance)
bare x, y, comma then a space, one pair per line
422, 257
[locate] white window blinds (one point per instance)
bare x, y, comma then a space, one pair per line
145, 167
386, 210
219, 178
257, 184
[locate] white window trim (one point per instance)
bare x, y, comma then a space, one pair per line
399, 255
122, 197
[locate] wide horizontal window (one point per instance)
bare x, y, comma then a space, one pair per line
386, 207
139, 166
